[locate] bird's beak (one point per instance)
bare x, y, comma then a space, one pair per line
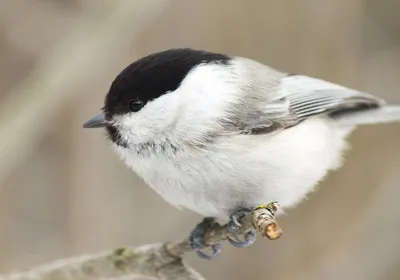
97, 121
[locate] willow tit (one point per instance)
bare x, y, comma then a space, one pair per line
220, 134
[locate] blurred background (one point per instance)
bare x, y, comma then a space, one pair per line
63, 192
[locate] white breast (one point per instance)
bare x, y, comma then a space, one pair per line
245, 170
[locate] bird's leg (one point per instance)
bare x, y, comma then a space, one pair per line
234, 227
196, 239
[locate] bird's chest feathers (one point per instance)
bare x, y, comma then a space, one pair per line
206, 180
243, 170
179, 181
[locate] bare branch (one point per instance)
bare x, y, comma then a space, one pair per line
159, 261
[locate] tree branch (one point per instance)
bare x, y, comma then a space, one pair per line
160, 261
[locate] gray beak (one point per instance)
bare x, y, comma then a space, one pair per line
96, 121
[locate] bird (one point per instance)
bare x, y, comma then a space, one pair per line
219, 134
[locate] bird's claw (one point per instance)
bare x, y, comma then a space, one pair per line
216, 250
234, 226
249, 237
196, 240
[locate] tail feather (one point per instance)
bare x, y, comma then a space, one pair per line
382, 114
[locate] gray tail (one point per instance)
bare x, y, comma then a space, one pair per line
382, 114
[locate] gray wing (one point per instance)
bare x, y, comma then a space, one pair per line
309, 96
296, 98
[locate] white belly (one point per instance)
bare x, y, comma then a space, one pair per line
246, 170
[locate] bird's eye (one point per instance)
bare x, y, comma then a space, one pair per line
136, 105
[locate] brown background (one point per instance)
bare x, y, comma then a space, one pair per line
64, 192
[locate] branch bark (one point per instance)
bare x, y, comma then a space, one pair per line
160, 261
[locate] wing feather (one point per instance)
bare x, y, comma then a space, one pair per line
309, 96
275, 100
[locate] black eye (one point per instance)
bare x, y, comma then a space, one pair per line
136, 105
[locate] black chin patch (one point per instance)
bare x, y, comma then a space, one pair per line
154, 75
114, 135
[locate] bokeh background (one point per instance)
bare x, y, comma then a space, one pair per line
63, 192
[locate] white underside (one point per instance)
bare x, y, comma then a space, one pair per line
244, 171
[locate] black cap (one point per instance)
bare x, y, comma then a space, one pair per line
152, 76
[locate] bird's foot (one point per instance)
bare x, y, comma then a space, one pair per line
196, 240
234, 227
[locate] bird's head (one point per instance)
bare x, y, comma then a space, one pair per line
149, 98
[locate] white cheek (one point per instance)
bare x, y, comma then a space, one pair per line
185, 114
150, 123
205, 93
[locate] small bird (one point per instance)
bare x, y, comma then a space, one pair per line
220, 135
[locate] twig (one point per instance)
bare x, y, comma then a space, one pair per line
262, 219
160, 261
